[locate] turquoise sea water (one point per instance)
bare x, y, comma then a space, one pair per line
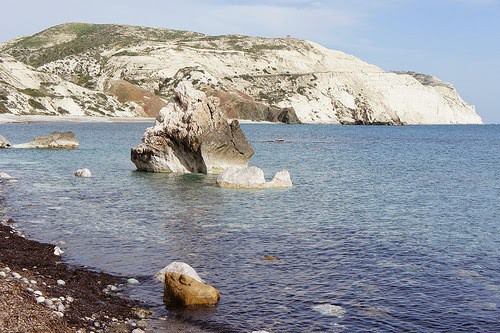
399, 226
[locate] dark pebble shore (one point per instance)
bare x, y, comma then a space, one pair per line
94, 307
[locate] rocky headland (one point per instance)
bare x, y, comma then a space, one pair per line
78, 69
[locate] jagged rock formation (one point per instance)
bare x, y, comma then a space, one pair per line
55, 140
191, 135
281, 79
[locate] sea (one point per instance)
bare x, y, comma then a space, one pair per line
386, 229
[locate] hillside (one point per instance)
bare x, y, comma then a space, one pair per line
131, 71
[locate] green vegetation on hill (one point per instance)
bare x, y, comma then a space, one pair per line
77, 38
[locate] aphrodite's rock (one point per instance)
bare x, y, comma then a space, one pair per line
252, 178
191, 135
178, 267
85, 173
182, 290
55, 140
4, 143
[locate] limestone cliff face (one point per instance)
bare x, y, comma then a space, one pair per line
27, 91
285, 80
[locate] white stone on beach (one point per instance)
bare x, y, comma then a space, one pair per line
58, 251
25, 280
2, 274
48, 302
40, 299
133, 281
61, 282
16, 275
84, 173
59, 314
330, 310
37, 293
33, 282
178, 267
252, 178
61, 308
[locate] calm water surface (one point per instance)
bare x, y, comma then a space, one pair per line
399, 226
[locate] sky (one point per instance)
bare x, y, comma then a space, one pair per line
457, 41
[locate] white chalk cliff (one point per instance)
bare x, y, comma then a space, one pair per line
275, 79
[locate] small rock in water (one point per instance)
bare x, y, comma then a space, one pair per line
61, 282
271, 258
40, 299
133, 281
330, 310
4, 175
178, 267
58, 251
84, 173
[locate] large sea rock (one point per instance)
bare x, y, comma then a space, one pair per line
192, 135
4, 143
55, 140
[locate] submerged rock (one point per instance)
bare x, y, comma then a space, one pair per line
4, 143
330, 310
191, 135
182, 290
85, 173
252, 178
55, 140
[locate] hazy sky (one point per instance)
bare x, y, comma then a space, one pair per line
455, 40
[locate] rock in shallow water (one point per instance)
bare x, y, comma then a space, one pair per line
84, 173
330, 310
55, 140
4, 143
252, 178
182, 290
191, 135
178, 267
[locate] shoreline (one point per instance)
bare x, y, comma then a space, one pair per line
15, 119
26, 119
73, 298
92, 301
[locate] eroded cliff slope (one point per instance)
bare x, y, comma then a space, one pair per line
286, 80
